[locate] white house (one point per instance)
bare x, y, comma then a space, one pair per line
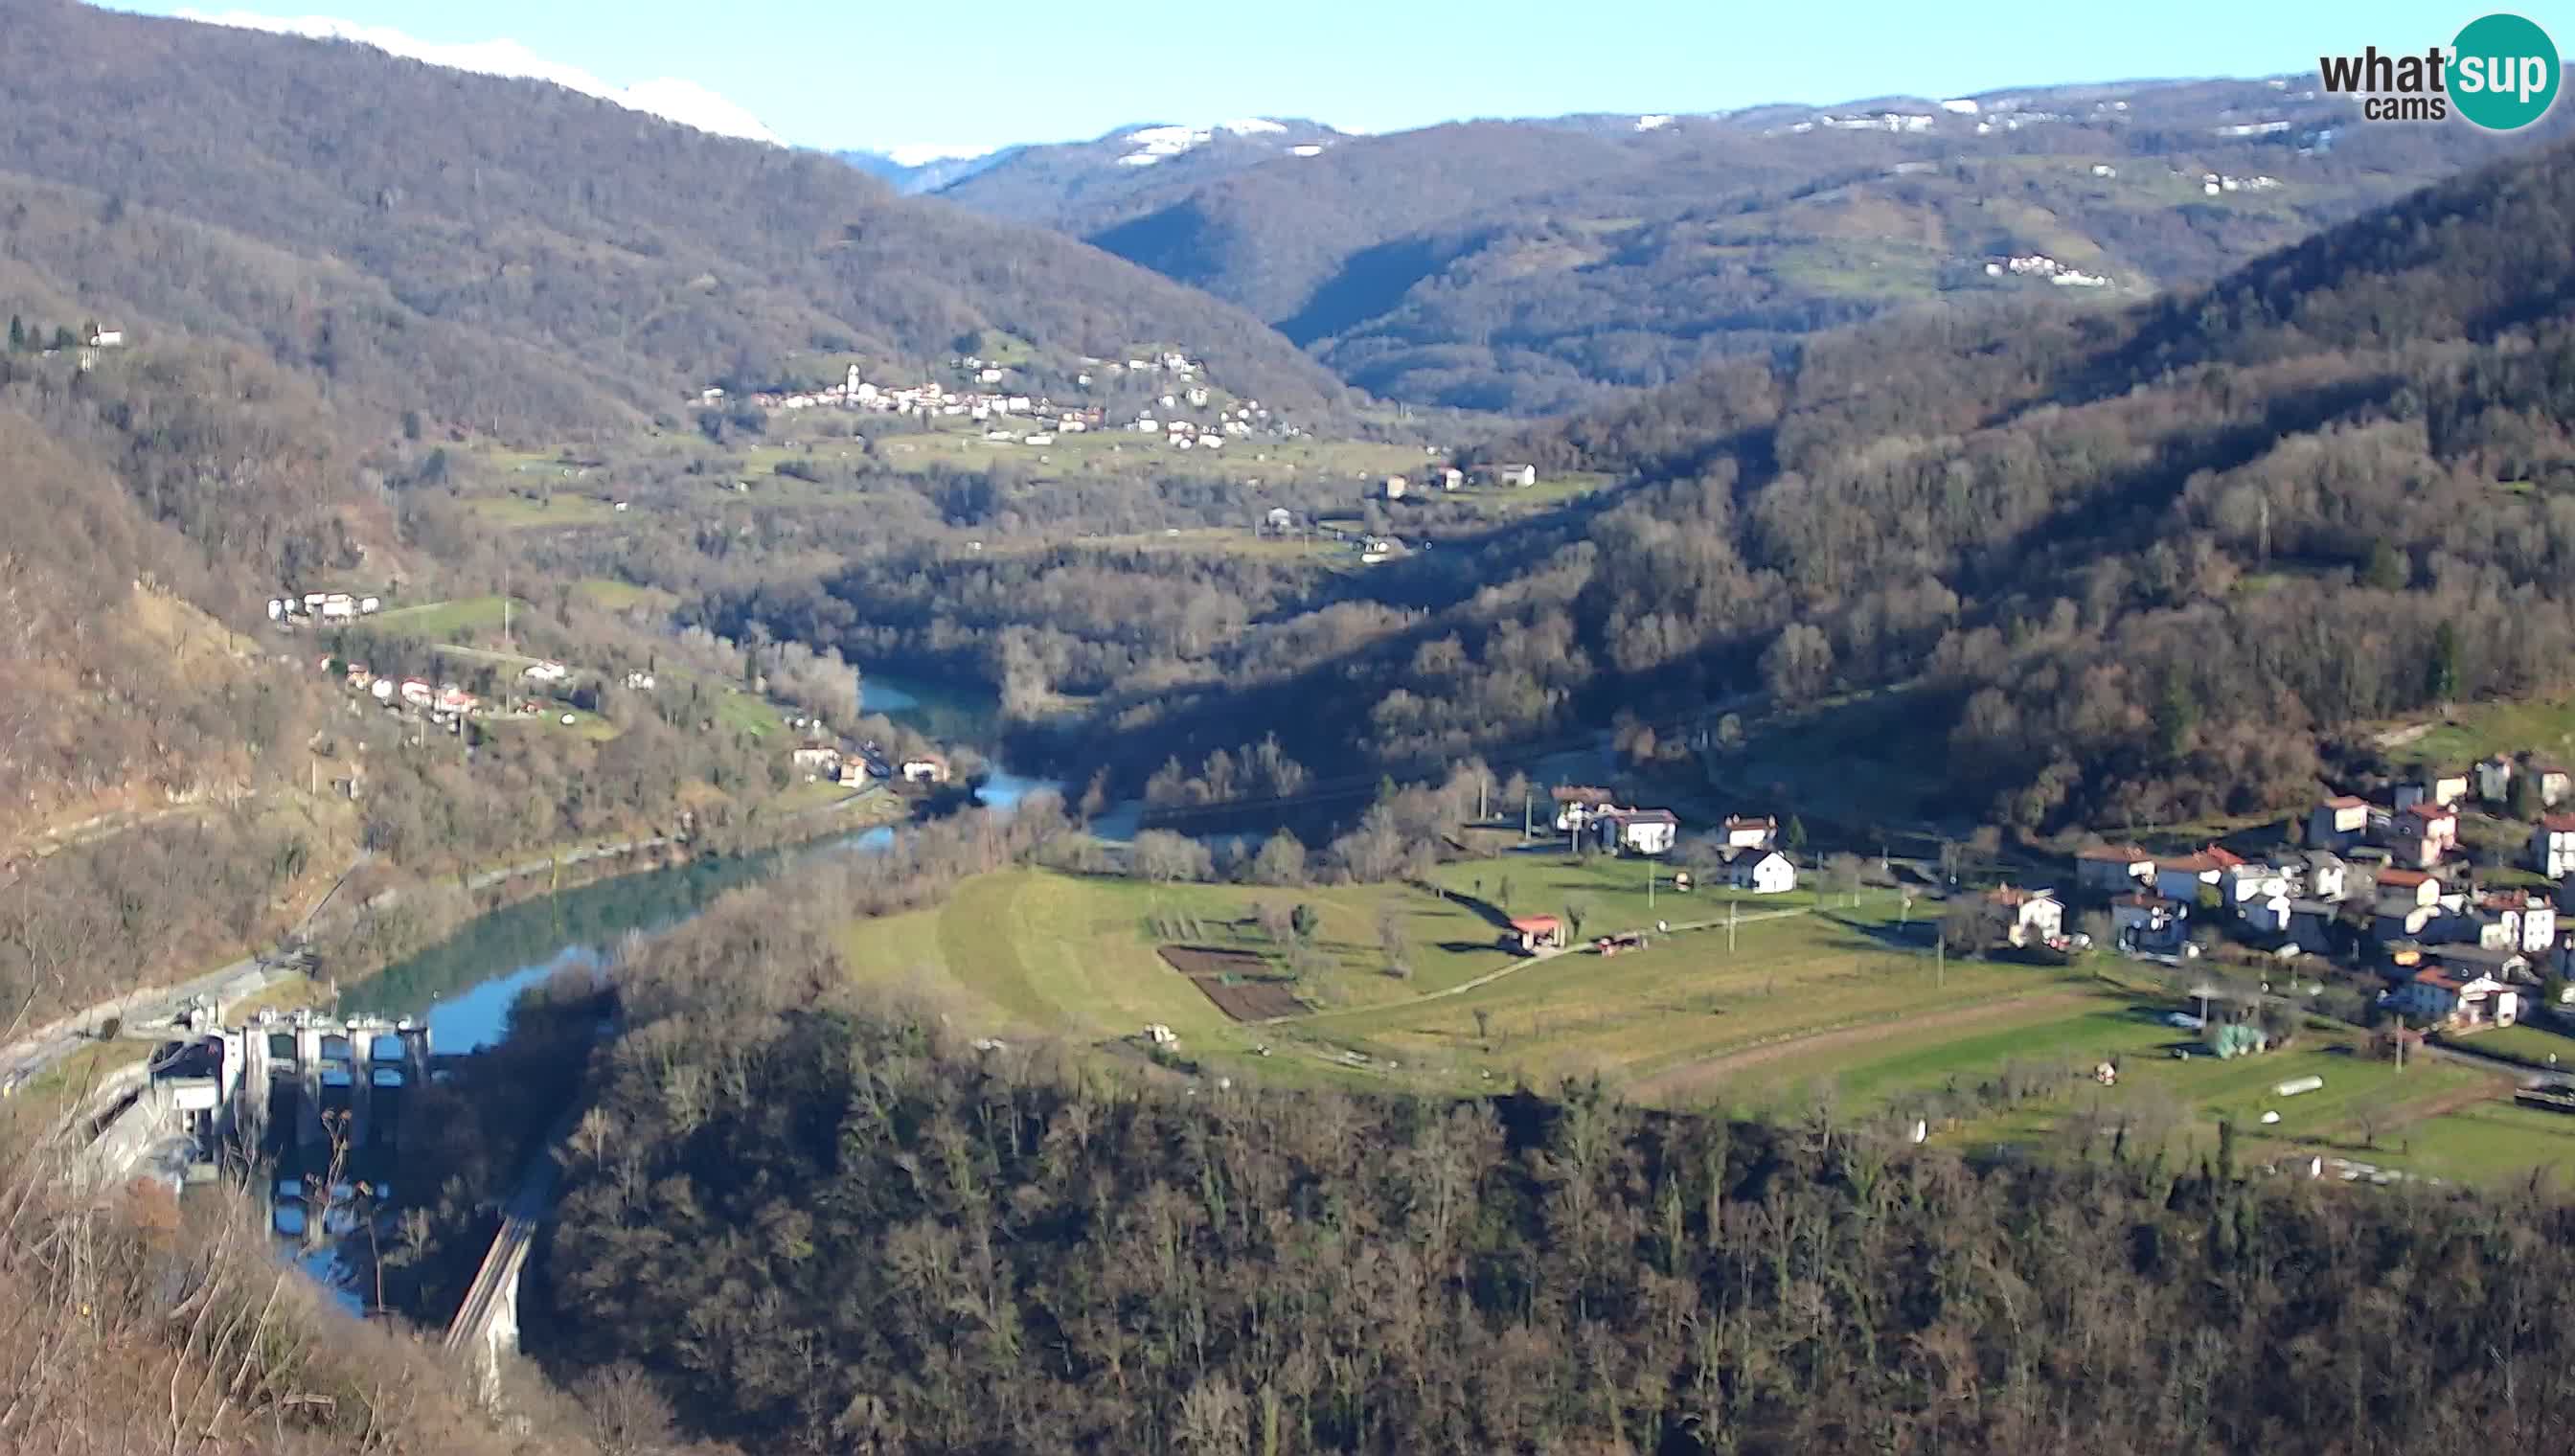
2240, 884
2445, 998
1576, 805
2528, 921
1647, 830
2494, 778
2328, 879
2031, 917
819, 760
1761, 870
2552, 847
1743, 832
2440, 787
1512, 475
2554, 783
546, 672
1395, 486
2113, 869
925, 771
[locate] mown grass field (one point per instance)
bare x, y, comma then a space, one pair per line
437, 621
1810, 1003
624, 595
2531, 1043
2486, 1143
1073, 956
559, 508
2477, 730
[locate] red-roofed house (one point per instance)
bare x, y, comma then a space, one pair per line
2421, 836
2444, 997
2030, 916
2181, 879
1740, 831
2113, 869
1643, 831
2402, 889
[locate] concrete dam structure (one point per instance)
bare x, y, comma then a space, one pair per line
291, 1089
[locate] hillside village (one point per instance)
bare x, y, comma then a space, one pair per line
2428, 909
984, 396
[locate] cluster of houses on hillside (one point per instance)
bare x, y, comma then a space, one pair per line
446, 703
822, 758
1454, 478
2039, 265
2385, 887
298, 609
1025, 418
1745, 848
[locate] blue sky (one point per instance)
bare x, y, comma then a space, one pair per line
873, 74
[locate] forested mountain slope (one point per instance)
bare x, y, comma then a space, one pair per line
2133, 564
642, 258
1537, 266
809, 1223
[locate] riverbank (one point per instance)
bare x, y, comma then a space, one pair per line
418, 920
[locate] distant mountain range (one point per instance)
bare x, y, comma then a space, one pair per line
1540, 264
2130, 564
1029, 183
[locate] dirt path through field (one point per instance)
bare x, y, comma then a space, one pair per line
1690, 1078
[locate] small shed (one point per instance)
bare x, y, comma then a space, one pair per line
1529, 934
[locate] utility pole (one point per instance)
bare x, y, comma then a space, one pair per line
1484, 782
1649, 886
1527, 827
1730, 908
1940, 960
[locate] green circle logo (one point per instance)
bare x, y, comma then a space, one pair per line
2503, 72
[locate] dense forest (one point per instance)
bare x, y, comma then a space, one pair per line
2135, 564
801, 1221
1533, 267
